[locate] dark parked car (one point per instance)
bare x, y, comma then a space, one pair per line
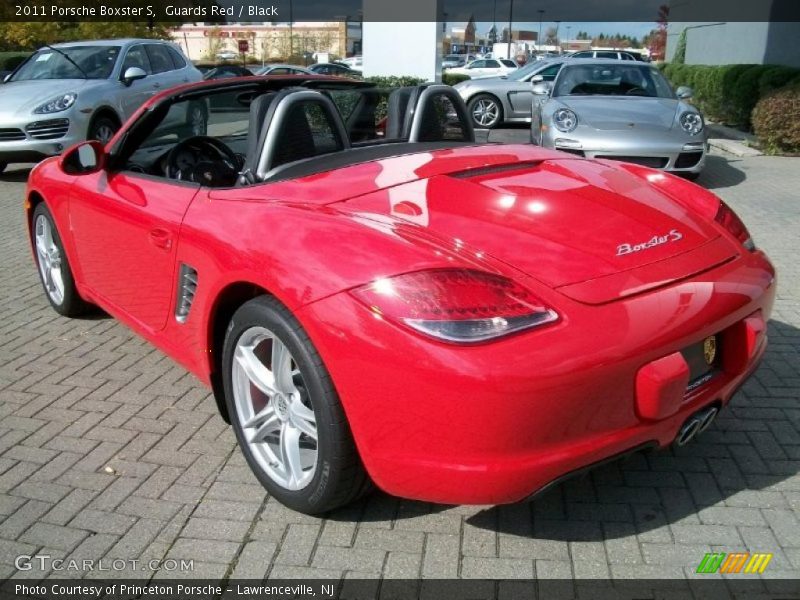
333, 69
225, 71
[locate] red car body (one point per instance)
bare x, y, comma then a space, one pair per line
485, 423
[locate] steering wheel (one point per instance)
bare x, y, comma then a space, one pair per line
204, 160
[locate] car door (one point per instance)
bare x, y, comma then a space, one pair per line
139, 91
521, 98
125, 227
165, 76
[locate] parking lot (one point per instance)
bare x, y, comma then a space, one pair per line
109, 450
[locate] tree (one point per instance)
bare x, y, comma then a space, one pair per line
680, 50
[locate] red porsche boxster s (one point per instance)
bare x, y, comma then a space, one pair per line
374, 297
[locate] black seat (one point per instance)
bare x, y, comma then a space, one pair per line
297, 139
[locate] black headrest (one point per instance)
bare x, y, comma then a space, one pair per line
257, 127
397, 106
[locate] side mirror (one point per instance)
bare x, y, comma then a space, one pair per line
540, 86
684, 93
83, 158
132, 74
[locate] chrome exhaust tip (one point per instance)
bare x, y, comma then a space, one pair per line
707, 418
688, 431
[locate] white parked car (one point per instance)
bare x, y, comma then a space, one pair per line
486, 67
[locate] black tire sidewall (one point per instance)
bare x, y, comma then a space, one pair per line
72, 304
3, 166
269, 313
491, 98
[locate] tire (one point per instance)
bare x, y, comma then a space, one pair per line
64, 298
490, 109
326, 476
3, 166
102, 129
691, 176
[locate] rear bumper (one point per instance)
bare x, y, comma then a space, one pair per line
494, 423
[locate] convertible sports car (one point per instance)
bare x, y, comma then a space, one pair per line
619, 110
380, 299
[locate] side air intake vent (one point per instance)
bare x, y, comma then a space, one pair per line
187, 288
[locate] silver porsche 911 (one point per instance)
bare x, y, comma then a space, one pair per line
621, 110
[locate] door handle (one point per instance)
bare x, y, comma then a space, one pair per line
156, 85
161, 238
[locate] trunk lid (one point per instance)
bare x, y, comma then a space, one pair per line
561, 221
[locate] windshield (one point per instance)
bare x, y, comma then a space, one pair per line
612, 80
524, 72
96, 62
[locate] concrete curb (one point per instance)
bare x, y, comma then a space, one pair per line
733, 147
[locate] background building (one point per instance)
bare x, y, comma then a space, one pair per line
271, 42
736, 43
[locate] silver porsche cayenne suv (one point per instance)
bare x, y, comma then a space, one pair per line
66, 93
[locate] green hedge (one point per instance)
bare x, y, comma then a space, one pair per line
776, 119
729, 93
10, 60
453, 78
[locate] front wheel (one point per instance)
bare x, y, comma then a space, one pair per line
485, 111
54, 269
102, 129
286, 413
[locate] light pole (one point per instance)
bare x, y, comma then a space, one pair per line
510, 30
539, 39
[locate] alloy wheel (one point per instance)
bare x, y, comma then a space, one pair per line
103, 133
49, 258
485, 112
273, 408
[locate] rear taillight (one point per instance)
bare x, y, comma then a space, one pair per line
731, 222
456, 305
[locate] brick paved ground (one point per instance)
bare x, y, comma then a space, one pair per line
107, 449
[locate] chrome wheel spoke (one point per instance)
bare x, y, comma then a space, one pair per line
290, 453
282, 367
270, 424
256, 372
303, 418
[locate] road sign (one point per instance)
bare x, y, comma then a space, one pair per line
244, 46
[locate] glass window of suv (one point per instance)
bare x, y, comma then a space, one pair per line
509, 63
160, 61
607, 55
477, 64
583, 55
177, 60
492, 64
136, 57
95, 62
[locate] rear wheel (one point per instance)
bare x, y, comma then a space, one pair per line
691, 176
485, 111
3, 166
54, 269
286, 413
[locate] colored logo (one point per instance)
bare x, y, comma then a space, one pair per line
735, 562
710, 349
